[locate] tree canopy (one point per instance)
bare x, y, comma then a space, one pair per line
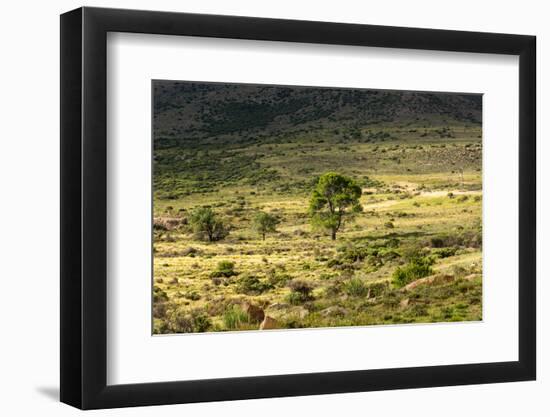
265, 223
335, 196
207, 225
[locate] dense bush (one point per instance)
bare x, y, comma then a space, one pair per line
466, 238
194, 321
224, 269
377, 289
437, 242
418, 267
278, 279
352, 253
251, 284
192, 295
159, 295
351, 256
300, 292
159, 310
444, 252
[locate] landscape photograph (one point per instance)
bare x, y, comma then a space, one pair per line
294, 207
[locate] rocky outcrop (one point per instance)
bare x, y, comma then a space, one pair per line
268, 323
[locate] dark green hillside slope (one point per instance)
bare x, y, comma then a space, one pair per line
186, 110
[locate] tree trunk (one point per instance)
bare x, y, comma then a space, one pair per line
333, 235
263, 236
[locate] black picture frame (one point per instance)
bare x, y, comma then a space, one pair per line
84, 207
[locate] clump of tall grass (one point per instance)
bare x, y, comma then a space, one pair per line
234, 318
355, 287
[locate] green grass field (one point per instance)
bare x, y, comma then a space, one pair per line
421, 205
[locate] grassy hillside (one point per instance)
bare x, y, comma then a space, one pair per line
240, 150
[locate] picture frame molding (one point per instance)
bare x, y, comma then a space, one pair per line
83, 153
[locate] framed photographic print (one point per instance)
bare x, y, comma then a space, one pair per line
257, 207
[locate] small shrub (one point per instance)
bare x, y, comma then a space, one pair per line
447, 312
189, 251
326, 276
295, 298
194, 321
351, 253
334, 263
392, 243
251, 284
445, 252
418, 267
159, 310
459, 271
466, 238
224, 269
159, 295
192, 295
355, 287
437, 242
278, 279
159, 226
377, 289
201, 321
300, 292
334, 290
418, 310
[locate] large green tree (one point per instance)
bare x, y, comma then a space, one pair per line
335, 197
265, 223
207, 225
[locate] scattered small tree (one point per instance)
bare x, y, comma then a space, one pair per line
265, 223
334, 197
207, 225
